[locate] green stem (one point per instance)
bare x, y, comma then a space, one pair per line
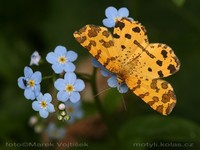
112, 136
47, 77
84, 76
95, 93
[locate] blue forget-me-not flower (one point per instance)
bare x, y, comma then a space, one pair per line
113, 15
61, 59
35, 58
105, 72
30, 83
43, 105
54, 132
112, 81
69, 88
74, 110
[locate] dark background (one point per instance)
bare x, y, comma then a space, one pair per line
26, 26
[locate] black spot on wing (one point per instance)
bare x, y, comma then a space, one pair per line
128, 36
123, 47
160, 74
149, 69
120, 25
136, 29
164, 53
116, 36
159, 63
171, 68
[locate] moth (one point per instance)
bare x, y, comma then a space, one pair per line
136, 62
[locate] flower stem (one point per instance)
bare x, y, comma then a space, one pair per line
95, 94
84, 76
112, 136
47, 77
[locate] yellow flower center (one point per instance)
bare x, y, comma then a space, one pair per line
43, 104
69, 88
31, 83
70, 109
62, 59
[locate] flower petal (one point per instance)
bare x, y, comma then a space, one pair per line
54, 132
36, 106
112, 81
79, 113
37, 90
111, 12
75, 97
130, 18
71, 56
59, 84
20, 82
70, 78
43, 113
62, 96
28, 72
50, 107
37, 77
96, 63
58, 68
77, 110
122, 88
60, 50
69, 67
35, 58
51, 58
47, 97
79, 85
40, 97
123, 12
72, 119
29, 94
105, 72
108, 22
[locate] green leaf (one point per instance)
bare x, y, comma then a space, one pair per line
158, 128
178, 3
112, 101
89, 108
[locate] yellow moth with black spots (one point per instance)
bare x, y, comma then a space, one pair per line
140, 64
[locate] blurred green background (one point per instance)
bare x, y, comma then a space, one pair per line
26, 26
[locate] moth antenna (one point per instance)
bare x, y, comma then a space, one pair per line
102, 92
123, 102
